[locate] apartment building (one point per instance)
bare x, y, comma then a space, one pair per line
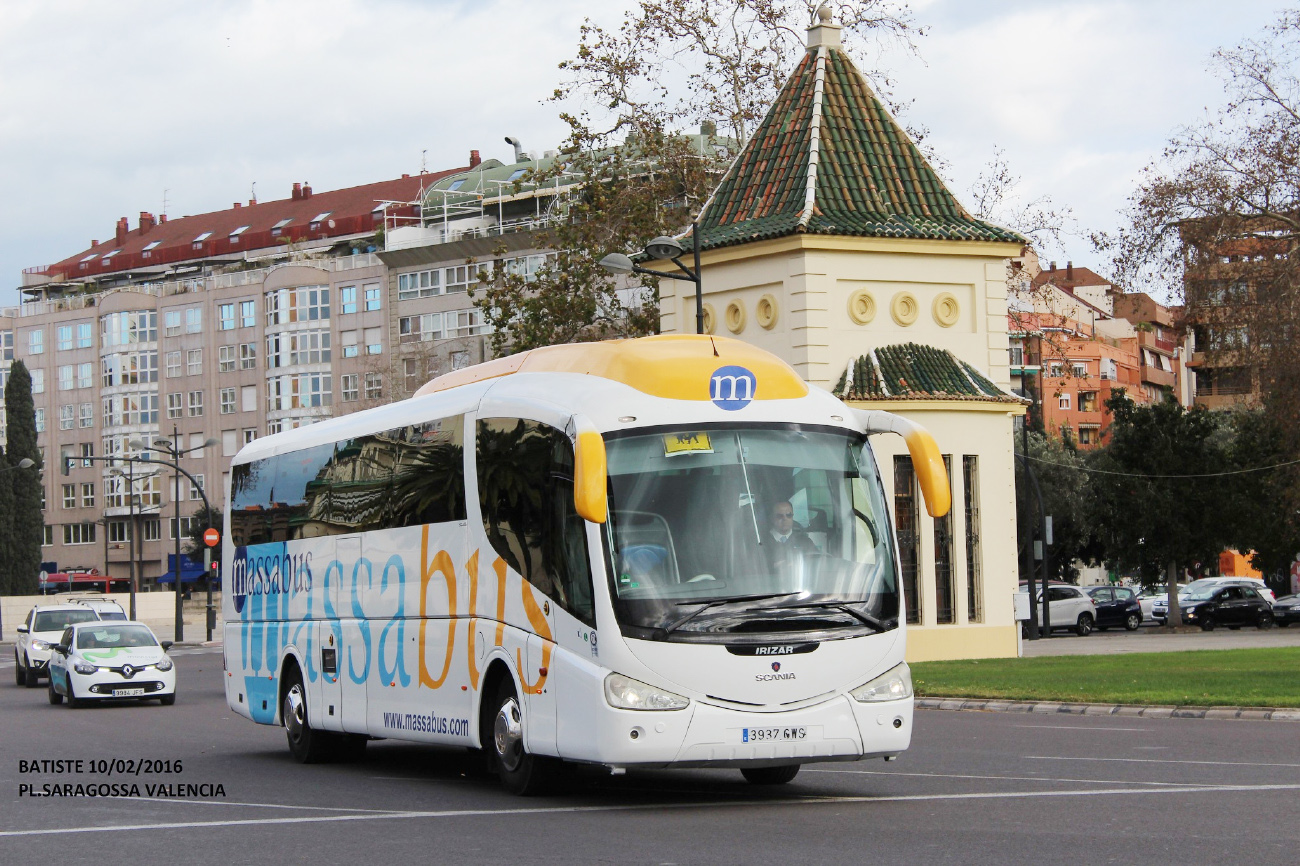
237, 324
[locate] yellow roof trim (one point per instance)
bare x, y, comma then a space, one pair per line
673, 366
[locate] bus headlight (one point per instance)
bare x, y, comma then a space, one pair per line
892, 685
629, 694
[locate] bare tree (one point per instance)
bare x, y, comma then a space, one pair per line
630, 172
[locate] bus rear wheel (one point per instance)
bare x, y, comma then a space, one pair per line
306, 744
520, 772
770, 775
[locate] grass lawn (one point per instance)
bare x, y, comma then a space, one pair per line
1232, 678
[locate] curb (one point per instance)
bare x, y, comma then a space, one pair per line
1254, 714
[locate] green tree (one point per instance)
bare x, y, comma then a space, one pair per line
1265, 501
1065, 487
203, 518
23, 558
670, 65
1150, 511
6, 520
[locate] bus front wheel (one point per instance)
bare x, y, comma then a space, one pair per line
520, 772
770, 775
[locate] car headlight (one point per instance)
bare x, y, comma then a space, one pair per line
1189, 613
892, 685
165, 664
84, 668
629, 694
40, 644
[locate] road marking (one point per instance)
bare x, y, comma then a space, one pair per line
1050, 727
481, 813
1159, 761
999, 778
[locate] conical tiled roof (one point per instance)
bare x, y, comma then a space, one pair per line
829, 159
910, 371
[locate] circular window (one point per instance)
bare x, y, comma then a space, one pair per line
946, 309
765, 312
735, 317
710, 321
904, 308
862, 307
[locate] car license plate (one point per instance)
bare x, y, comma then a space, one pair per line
778, 734
127, 693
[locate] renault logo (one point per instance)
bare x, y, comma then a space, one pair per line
128, 671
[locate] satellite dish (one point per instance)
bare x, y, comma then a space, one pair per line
331, 224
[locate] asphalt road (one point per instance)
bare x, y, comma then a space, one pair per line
974, 788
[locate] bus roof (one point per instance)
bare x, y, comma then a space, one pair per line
674, 366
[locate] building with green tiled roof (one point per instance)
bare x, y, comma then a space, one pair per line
833, 243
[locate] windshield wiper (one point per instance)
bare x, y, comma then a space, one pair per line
669, 629
844, 607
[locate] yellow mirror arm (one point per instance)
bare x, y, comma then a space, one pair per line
927, 461
589, 472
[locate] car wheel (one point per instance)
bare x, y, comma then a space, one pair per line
20, 673
306, 744
1133, 621
73, 701
1265, 620
1083, 627
30, 677
167, 700
55, 697
770, 775
520, 773
1208, 623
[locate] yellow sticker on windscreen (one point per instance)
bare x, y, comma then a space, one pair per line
687, 443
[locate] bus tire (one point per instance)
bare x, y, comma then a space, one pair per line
520, 773
306, 744
770, 775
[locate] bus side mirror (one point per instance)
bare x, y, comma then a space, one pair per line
931, 475
589, 477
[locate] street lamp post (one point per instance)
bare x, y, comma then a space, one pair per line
666, 248
171, 447
131, 499
25, 463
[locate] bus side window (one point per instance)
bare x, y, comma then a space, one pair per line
525, 483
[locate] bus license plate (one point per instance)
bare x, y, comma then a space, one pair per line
127, 693
775, 734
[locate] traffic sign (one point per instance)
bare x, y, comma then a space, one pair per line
211, 537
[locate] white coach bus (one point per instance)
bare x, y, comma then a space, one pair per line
663, 552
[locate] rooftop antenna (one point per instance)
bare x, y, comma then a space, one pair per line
253, 193
423, 162
164, 207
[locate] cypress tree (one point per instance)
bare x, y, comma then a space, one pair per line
6, 522
24, 552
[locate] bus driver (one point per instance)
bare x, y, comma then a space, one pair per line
785, 540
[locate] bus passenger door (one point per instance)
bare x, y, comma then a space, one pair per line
355, 649
540, 685
327, 714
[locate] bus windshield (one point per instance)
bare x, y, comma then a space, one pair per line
716, 532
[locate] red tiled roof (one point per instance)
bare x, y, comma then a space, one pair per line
1077, 277
350, 211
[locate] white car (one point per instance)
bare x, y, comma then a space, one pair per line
106, 660
42, 629
106, 608
1070, 608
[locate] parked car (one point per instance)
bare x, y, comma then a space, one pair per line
106, 608
1148, 599
40, 631
1160, 609
1286, 610
1070, 608
106, 660
1233, 606
1116, 606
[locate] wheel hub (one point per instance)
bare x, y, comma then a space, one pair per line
508, 735
293, 711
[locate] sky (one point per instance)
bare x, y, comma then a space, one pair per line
108, 109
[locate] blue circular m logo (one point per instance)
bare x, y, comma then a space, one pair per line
732, 388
